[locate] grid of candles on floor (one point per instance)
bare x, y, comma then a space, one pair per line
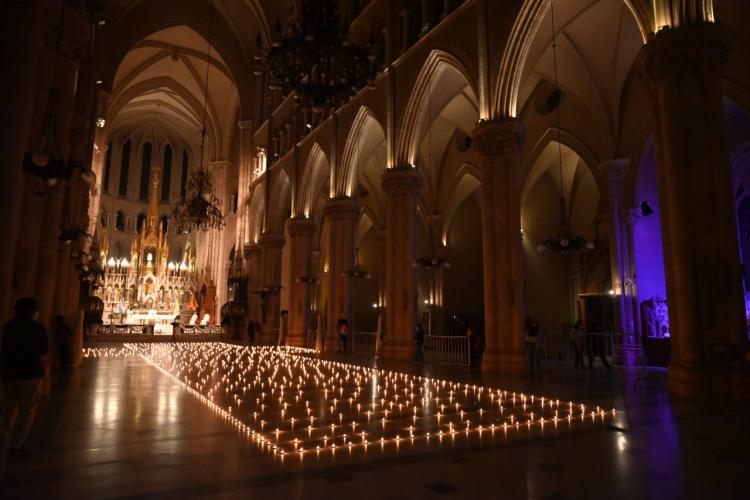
290, 402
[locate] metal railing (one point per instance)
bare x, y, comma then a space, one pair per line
363, 342
200, 329
122, 330
557, 346
447, 349
114, 330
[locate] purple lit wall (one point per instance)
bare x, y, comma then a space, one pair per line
649, 258
737, 123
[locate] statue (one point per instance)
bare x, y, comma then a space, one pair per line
655, 317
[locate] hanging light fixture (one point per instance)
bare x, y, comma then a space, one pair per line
46, 162
356, 272
199, 209
315, 59
562, 242
267, 291
433, 260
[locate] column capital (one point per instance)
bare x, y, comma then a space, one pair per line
402, 181
435, 220
499, 137
251, 250
271, 241
343, 208
219, 164
683, 52
300, 226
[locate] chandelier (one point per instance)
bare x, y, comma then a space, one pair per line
308, 280
563, 242
315, 59
356, 272
199, 209
267, 291
433, 260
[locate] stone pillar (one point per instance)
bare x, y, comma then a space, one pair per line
252, 259
218, 238
401, 186
436, 277
619, 259
341, 215
630, 218
300, 240
98, 163
50, 255
616, 172
245, 178
701, 254
499, 145
271, 246
21, 21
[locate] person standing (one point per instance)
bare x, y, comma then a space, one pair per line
24, 345
532, 347
419, 339
343, 326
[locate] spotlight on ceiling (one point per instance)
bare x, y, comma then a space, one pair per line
646, 209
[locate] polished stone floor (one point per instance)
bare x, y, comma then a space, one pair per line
128, 426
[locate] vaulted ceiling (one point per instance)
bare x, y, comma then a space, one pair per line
159, 72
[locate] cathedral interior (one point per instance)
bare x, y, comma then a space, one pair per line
406, 248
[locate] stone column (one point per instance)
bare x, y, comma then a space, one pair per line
21, 21
98, 160
437, 277
300, 239
401, 186
252, 259
220, 172
341, 215
271, 245
630, 218
619, 258
701, 254
245, 177
499, 145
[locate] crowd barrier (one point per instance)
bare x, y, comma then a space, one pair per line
447, 349
363, 342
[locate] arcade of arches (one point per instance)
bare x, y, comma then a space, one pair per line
457, 148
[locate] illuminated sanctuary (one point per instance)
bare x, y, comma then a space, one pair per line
148, 287
376, 248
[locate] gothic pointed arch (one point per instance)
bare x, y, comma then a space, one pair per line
527, 22
439, 64
365, 123
314, 175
